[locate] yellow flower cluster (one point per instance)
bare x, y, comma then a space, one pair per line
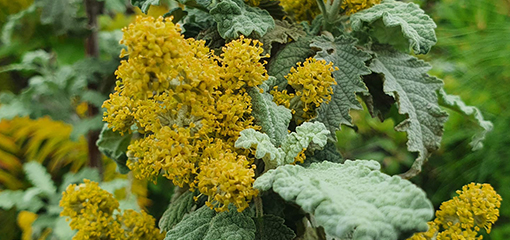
312, 85
354, 6
463, 216
303, 10
184, 99
91, 210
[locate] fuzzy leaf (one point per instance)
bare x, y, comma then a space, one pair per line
394, 22
265, 149
271, 227
287, 58
351, 64
455, 103
311, 136
114, 146
274, 119
205, 224
39, 177
176, 211
353, 199
328, 153
282, 33
235, 18
405, 80
144, 4
22, 200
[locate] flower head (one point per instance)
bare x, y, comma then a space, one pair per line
354, 6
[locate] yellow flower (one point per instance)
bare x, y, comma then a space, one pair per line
242, 66
312, 82
227, 179
463, 216
302, 10
91, 210
140, 226
354, 6
25, 220
182, 98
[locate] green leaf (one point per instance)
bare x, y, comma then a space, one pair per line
405, 80
205, 224
328, 153
235, 18
353, 200
39, 177
144, 4
114, 145
397, 22
22, 200
282, 33
455, 103
176, 211
351, 64
61, 15
273, 119
10, 25
287, 58
274, 8
312, 136
271, 227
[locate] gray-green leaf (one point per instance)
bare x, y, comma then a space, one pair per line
114, 146
235, 18
205, 224
353, 199
287, 58
273, 119
176, 211
281, 33
405, 80
144, 4
39, 177
395, 22
271, 227
455, 103
351, 63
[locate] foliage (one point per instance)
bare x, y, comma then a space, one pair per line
240, 105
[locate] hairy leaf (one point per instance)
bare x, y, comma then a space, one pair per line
144, 4
308, 135
455, 103
37, 175
405, 80
353, 199
13, 20
328, 153
22, 200
235, 18
176, 211
114, 145
273, 119
271, 227
351, 64
287, 58
395, 22
205, 224
274, 8
282, 33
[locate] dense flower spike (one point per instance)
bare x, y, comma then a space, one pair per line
182, 99
463, 216
91, 210
354, 6
312, 82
